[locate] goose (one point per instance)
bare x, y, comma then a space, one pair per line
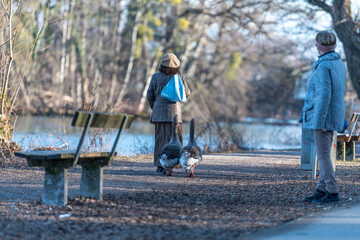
191, 154
170, 153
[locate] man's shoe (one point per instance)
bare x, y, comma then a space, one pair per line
317, 195
328, 198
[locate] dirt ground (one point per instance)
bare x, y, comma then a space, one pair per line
231, 196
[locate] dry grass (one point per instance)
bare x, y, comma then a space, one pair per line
231, 194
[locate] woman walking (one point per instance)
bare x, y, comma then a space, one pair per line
324, 112
164, 110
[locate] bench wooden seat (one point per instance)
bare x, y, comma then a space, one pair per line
57, 162
63, 157
346, 142
347, 138
59, 154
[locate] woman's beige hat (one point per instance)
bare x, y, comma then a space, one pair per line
170, 60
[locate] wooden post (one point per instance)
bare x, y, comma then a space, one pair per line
314, 167
333, 150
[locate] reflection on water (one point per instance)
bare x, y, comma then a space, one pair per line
32, 132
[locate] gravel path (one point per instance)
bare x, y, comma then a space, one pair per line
231, 196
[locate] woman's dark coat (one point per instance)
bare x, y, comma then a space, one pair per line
163, 109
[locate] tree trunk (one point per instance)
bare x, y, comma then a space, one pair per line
98, 65
97, 84
116, 56
148, 79
150, 68
346, 30
145, 52
5, 82
84, 63
68, 49
63, 53
72, 76
131, 60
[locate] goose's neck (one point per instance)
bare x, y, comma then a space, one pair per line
174, 136
192, 132
174, 132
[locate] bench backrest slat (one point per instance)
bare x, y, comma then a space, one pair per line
354, 120
129, 121
355, 116
99, 120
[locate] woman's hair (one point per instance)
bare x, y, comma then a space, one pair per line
169, 71
326, 38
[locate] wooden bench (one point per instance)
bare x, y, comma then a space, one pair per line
56, 163
346, 142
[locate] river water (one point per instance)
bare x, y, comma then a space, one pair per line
38, 131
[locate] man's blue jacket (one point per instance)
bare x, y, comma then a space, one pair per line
324, 100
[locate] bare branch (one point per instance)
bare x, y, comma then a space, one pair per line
321, 4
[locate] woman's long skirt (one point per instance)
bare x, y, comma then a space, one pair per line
163, 134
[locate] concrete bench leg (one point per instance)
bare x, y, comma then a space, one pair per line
55, 190
91, 184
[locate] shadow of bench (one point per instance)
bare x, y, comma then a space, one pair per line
56, 163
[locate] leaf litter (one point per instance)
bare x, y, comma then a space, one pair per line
231, 195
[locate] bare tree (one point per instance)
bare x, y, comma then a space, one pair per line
132, 57
116, 43
15, 53
347, 28
9, 85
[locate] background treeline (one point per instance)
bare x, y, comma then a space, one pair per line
99, 55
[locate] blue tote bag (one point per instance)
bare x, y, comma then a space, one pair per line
174, 90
